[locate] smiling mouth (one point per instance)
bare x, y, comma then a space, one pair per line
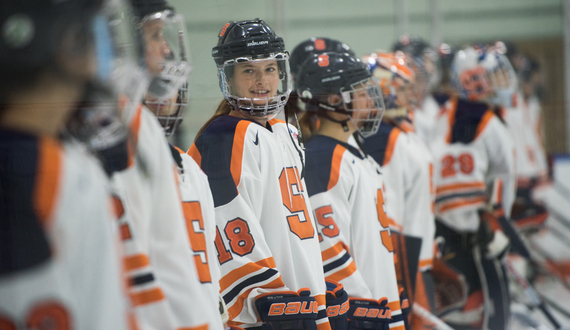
260, 93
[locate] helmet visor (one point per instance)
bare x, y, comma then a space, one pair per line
170, 112
259, 87
364, 101
167, 56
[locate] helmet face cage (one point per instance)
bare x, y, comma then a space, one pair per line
365, 103
167, 55
170, 112
118, 59
397, 83
484, 75
259, 87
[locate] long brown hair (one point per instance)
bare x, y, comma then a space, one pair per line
309, 123
224, 109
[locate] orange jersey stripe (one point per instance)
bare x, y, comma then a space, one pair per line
46, 187
425, 263
335, 165
484, 121
397, 327
237, 150
194, 153
236, 308
461, 203
452, 110
459, 186
136, 261
199, 327
323, 326
333, 251
343, 273
391, 145
276, 121
134, 127
147, 297
179, 150
251, 267
394, 306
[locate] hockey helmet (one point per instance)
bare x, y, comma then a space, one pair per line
342, 83
315, 46
253, 68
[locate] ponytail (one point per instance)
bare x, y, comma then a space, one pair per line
309, 123
224, 109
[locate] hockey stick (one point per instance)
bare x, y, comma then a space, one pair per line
531, 293
425, 314
556, 306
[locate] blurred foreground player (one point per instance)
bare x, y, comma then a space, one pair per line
59, 264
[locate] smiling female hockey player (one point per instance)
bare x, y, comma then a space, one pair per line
266, 242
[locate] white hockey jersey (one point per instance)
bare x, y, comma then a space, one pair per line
198, 207
472, 148
407, 166
266, 239
425, 118
59, 258
345, 188
164, 285
524, 124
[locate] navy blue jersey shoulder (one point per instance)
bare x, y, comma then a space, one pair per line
23, 243
215, 147
319, 153
468, 115
441, 98
375, 145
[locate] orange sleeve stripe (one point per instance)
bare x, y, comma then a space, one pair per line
323, 326
237, 150
425, 263
321, 299
394, 305
236, 308
132, 321
343, 273
459, 186
199, 327
194, 153
179, 150
399, 327
461, 203
47, 183
391, 145
335, 165
136, 261
500, 191
333, 251
134, 127
251, 267
147, 297
484, 121
451, 117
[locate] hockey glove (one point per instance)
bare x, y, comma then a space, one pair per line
337, 305
369, 314
287, 310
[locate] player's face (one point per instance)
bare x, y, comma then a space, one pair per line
156, 47
163, 107
256, 80
363, 105
404, 93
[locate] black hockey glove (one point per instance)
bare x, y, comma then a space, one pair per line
286, 310
369, 314
337, 305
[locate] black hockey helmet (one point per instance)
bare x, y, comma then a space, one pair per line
143, 8
249, 38
315, 46
32, 29
323, 76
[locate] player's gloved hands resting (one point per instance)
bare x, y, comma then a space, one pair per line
405, 307
337, 305
287, 310
369, 314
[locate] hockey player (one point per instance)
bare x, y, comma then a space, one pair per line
266, 242
345, 185
165, 287
427, 71
197, 201
59, 263
407, 166
472, 149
